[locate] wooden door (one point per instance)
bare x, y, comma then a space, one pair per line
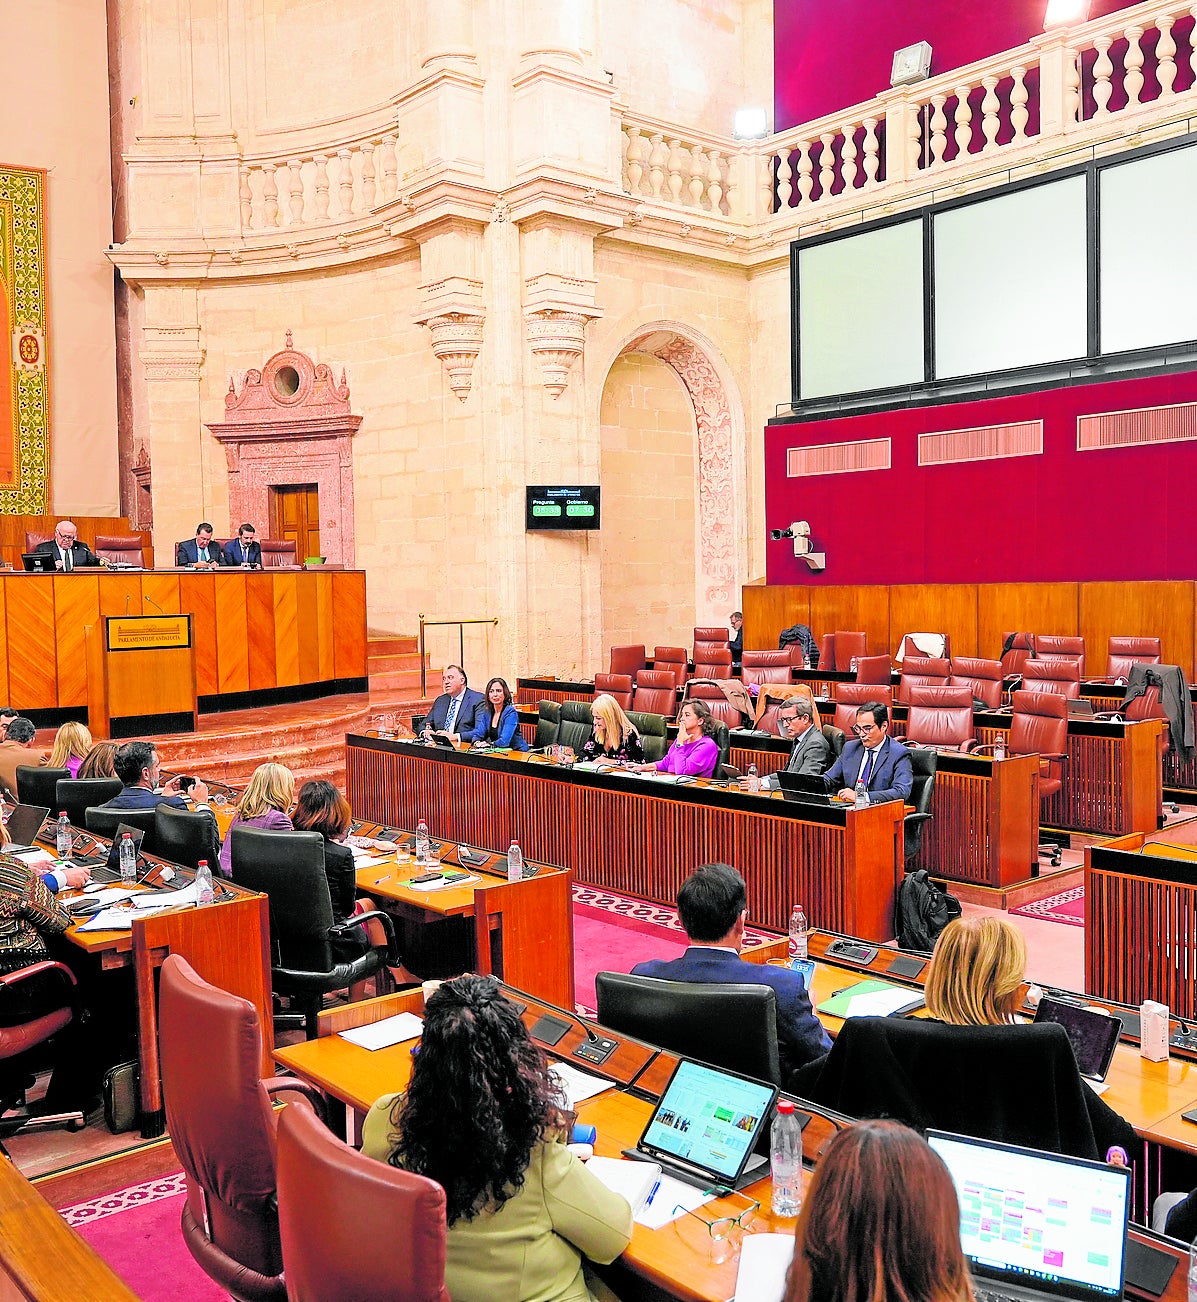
295, 514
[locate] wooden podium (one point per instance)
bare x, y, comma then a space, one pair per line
140, 675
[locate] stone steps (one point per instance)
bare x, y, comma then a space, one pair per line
393, 665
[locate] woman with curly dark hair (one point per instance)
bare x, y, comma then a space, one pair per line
485, 1120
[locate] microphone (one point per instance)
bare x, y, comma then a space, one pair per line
153, 603
128, 598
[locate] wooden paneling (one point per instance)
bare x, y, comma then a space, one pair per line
767, 610
197, 594
14, 527
286, 629
161, 590
4, 697
32, 660
76, 605
260, 620
307, 631
326, 630
232, 634
349, 598
851, 610
949, 608
1023, 608
120, 593
1163, 610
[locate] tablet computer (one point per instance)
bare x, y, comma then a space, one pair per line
1094, 1035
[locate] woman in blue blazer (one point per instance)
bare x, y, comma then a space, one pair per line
503, 728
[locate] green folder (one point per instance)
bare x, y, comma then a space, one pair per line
865, 999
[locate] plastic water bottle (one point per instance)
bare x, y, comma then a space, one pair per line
799, 947
785, 1155
999, 746
205, 892
754, 781
421, 842
128, 857
861, 793
806, 663
515, 862
62, 839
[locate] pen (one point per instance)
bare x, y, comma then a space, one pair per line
652, 1193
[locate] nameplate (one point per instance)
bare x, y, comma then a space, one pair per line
148, 632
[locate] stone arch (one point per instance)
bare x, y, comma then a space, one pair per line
719, 420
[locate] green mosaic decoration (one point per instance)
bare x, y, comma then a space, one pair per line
24, 375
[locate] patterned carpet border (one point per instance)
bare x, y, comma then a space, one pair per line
644, 914
1049, 908
121, 1200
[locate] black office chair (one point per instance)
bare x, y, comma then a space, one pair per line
36, 786
104, 822
722, 736
732, 1026
653, 734
835, 739
548, 722
74, 796
185, 837
923, 762
288, 867
577, 725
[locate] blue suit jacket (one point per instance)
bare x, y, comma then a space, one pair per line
233, 555
892, 776
800, 1036
473, 716
509, 729
187, 553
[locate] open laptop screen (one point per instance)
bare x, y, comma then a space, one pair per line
1043, 1220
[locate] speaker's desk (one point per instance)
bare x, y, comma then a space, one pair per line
641, 835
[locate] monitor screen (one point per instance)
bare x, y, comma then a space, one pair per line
561, 506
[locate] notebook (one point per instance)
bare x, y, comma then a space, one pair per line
1040, 1225
24, 823
706, 1125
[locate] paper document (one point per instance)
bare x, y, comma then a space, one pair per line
113, 919
179, 899
673, 1199
633, 1181
391, 1030
105, 895
35, 856
764, 1260
872, 999
578, 1085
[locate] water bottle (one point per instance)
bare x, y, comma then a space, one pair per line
999, 746
515, 862
861, 793
754, 781
128, 856
798, 935
62, 839
785, 1160
806, 661
205, 892
421, 842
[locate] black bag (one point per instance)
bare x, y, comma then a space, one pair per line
120, 1097
923, 910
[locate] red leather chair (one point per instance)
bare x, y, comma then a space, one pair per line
721, 707
222, 1126
927, 646
674, 659
919, 671
941, 717
715, 662
277, 553
874, 669
656, 692
125, 549
1050, 647
827, 651
354, 1228
849, 647
983, 678
1017, 653
1062, 676
1039, 726
1127, 651
618, 686
849, 697
767, 718
765, 667
627, 660
34, 540
22, 1038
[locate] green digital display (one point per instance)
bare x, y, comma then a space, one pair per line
561, 506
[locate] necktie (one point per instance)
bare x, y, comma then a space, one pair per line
867, 771
451, 717
66, 560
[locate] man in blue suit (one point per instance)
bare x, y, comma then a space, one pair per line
244, 550
200, 550
459, 711
875, 756
713, 906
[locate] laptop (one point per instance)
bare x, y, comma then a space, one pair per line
808, 788
1080, 709
1094, 1035
24, 823
1038, 1225
38, 562
706, 1125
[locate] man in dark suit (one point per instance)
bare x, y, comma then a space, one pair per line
244, 550
809, 752
713, 906
200, 550
459, 711
137, 766
68, 552
875, 757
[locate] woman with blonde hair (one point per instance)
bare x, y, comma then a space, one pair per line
977, 972
72, 745
615, 737
265, 804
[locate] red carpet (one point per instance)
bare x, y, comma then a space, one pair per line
1068, 907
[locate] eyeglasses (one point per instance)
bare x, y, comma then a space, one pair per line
863, 729
722, 1227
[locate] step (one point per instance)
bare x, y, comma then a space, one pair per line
391, 662
403, 681
393, 644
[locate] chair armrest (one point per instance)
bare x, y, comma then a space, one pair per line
275, 1085
916, 817
1057, 759
358, 919
36, 969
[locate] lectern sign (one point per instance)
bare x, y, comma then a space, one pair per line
148, 632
